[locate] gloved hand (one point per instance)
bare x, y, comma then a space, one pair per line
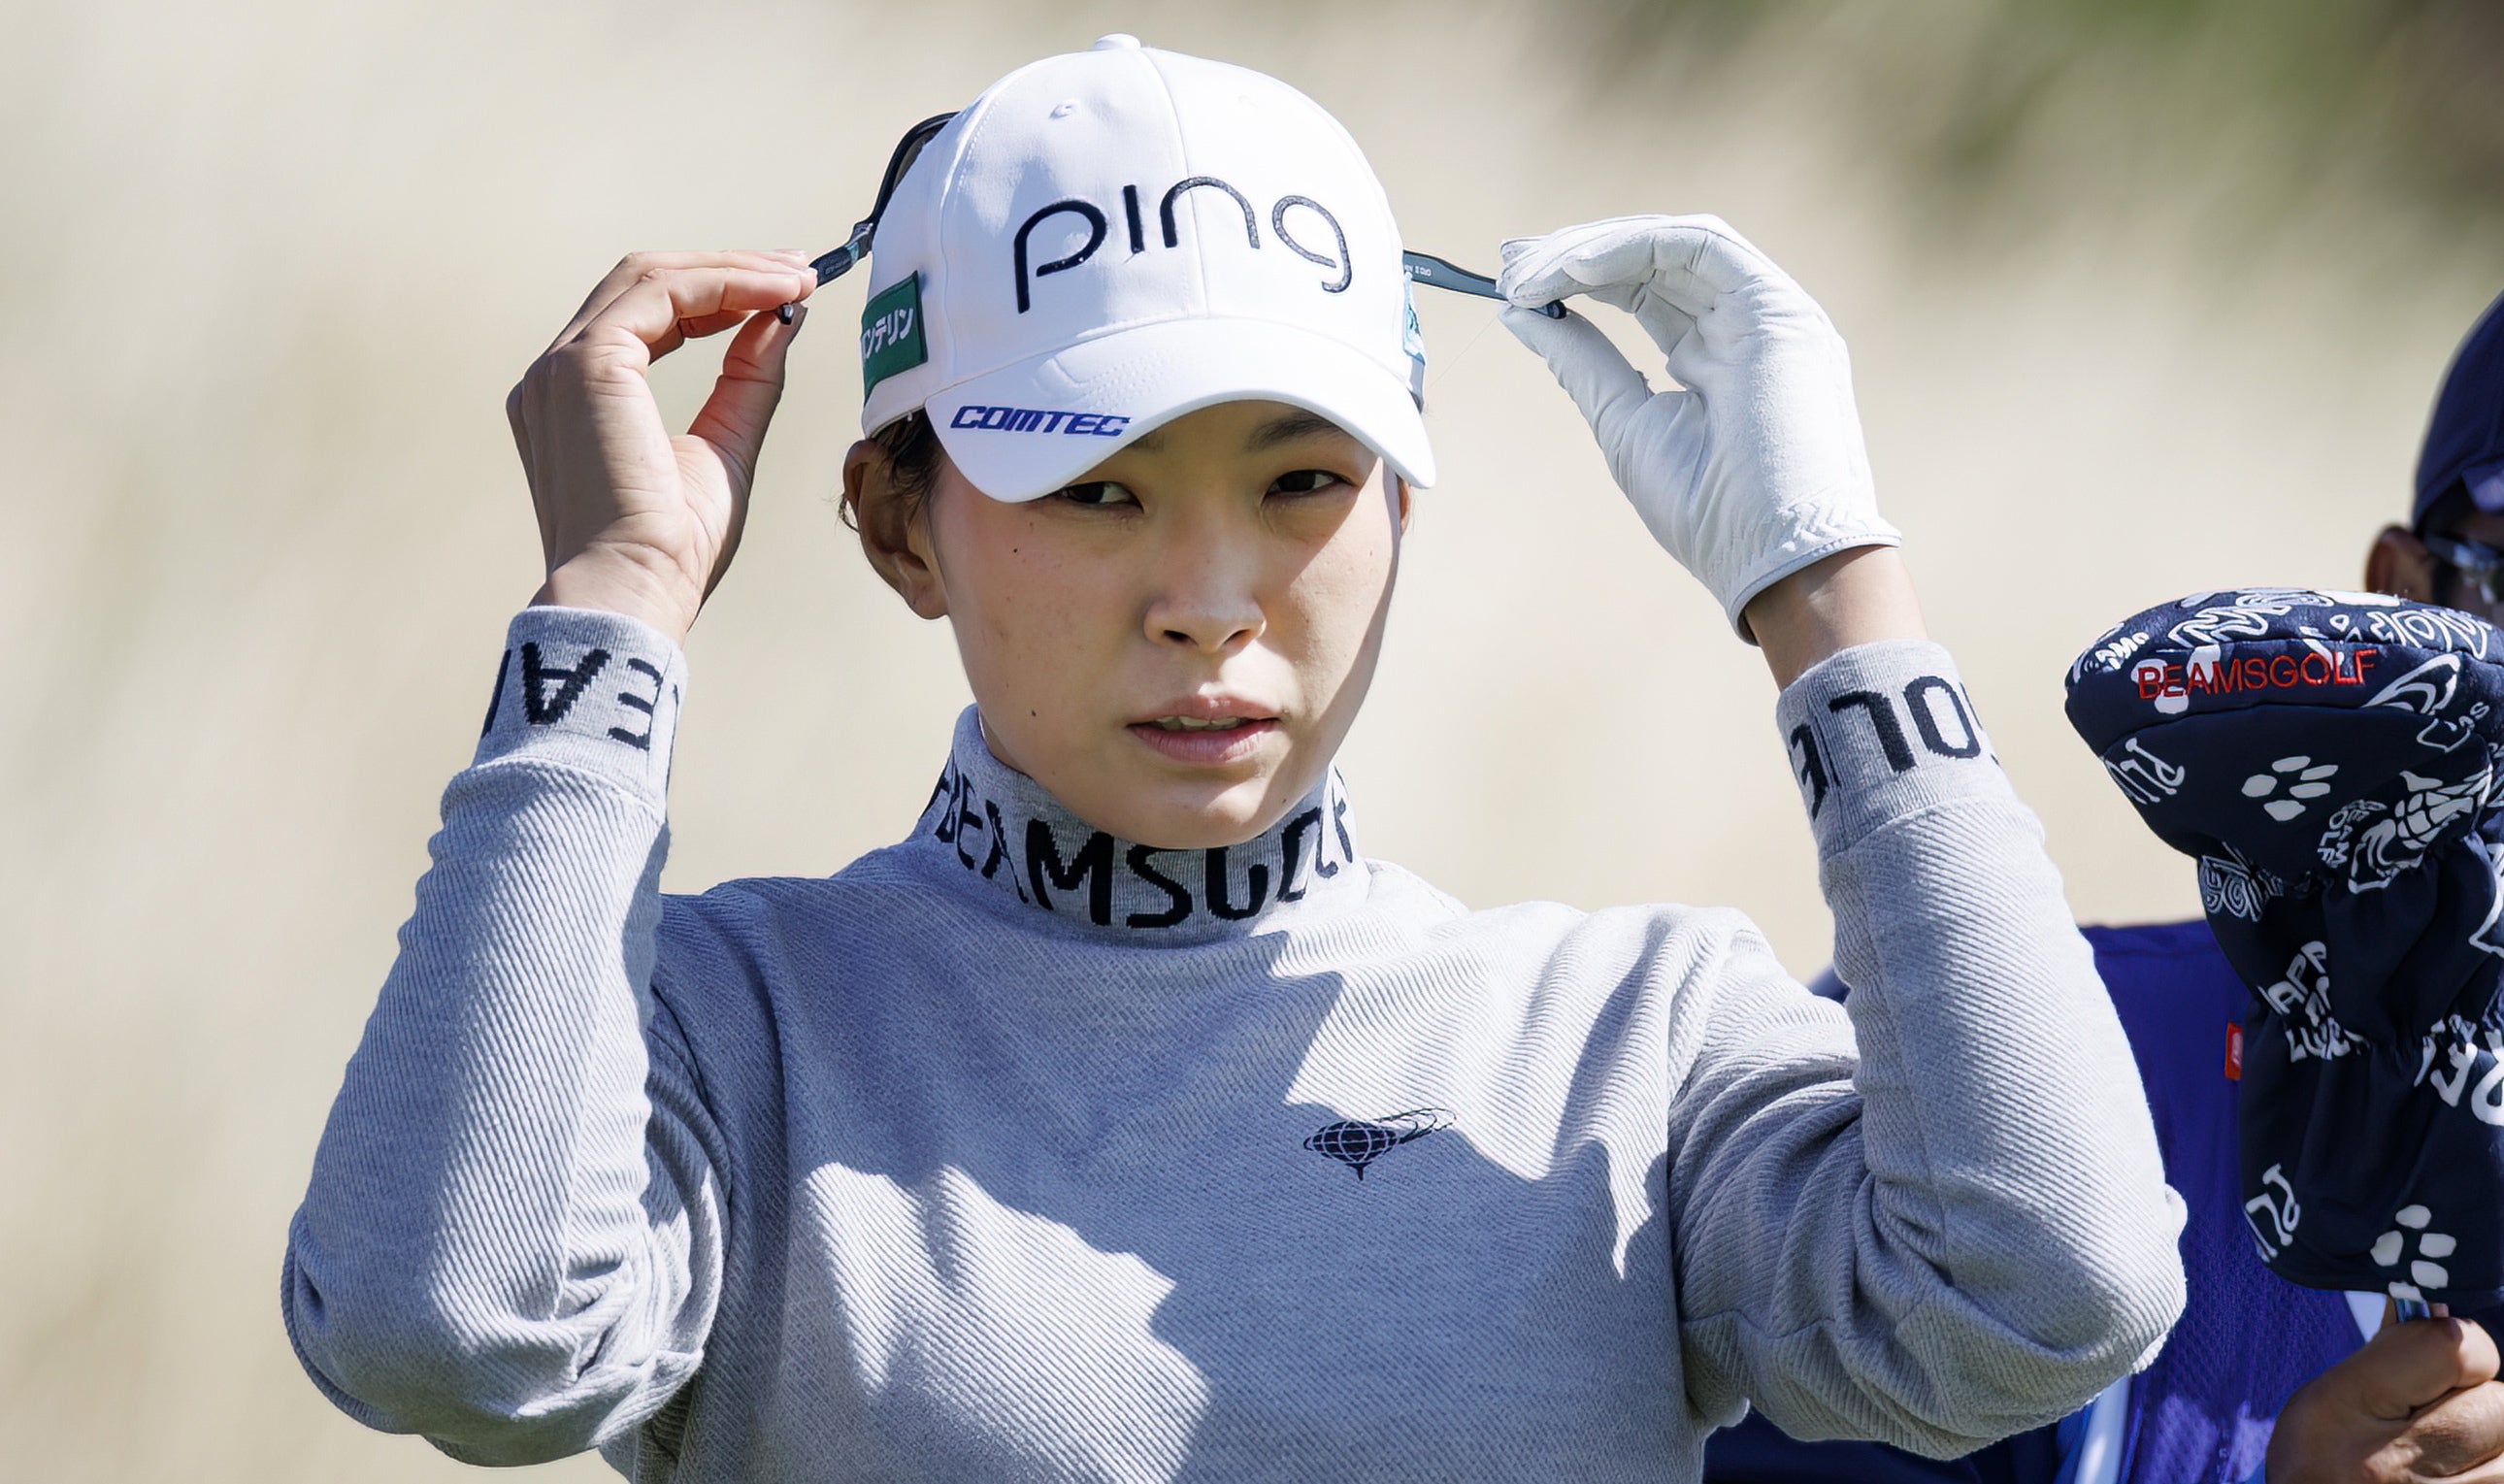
1756, 469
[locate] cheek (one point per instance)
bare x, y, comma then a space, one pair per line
1338, 597
1023, 606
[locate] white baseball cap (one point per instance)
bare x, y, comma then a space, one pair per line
1109, 239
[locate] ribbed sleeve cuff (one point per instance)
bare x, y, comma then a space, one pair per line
1878, 732
590, 689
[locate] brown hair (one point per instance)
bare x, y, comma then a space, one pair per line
913, 463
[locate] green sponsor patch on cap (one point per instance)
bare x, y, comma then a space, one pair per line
891, 332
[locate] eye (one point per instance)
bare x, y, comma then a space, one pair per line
1305, 481
1097, 492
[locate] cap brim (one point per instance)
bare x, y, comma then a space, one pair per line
1024, 430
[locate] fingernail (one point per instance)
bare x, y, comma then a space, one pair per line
794, 315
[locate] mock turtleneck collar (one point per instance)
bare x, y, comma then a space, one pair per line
991, 828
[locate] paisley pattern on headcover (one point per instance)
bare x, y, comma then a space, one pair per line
2331, 760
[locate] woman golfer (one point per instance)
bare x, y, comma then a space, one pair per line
1125, 1122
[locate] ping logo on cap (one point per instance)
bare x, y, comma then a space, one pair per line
1098, 226
891, 332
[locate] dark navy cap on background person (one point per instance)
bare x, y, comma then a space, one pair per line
2464, 441
2331, 760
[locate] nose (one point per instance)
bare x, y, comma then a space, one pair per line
1208, 599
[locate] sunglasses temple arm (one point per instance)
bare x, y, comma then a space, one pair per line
833, 265
1436, 273
843, 260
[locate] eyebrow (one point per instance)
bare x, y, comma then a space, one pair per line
1286, 428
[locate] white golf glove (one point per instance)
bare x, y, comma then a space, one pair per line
1756, 469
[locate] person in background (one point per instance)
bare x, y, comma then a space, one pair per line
2261, 1380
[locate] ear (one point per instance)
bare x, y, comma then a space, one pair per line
2399, 563
1407, 505
894, 530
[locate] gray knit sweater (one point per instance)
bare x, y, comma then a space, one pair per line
1016, 1152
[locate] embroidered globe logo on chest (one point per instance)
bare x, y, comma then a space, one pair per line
1358, 1142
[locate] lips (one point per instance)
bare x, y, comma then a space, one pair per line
1205, 730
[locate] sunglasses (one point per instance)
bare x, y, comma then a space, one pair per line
2476, 561
1421, 267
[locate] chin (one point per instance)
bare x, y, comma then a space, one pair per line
1149, 801
1168, 816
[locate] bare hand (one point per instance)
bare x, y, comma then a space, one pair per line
2420, 1402
632, 519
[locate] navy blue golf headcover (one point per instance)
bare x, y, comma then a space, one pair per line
2331, 759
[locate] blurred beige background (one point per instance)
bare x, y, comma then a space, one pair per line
2131, 316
